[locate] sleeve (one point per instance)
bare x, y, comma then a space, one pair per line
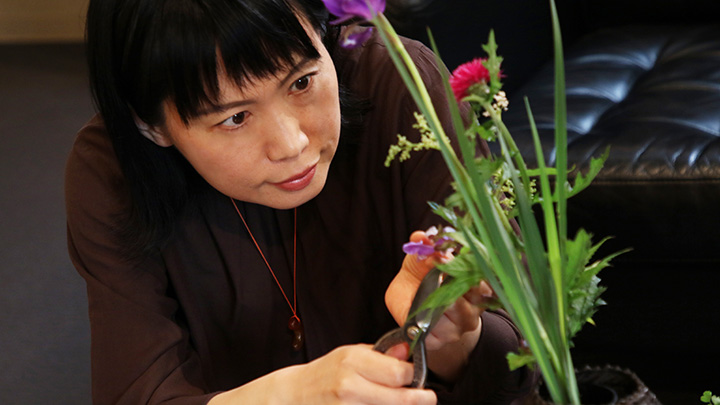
140, 352
487, 379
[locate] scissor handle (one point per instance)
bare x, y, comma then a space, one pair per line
390, 339
398, 336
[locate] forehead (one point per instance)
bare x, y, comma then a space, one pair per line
284, 71
237, 60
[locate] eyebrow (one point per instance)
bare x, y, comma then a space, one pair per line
217, 108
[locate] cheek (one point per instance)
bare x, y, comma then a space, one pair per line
223, 164
326, 119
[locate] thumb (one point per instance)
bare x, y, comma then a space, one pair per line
415, 269
402, 289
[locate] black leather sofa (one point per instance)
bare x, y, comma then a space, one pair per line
652, 95
643, 78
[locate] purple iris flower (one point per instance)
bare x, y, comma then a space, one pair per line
441, 242
347, 9
418, 248
443, 238
355, 35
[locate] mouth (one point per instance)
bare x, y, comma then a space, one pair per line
299, 181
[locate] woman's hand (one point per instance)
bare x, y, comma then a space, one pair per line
359, 375
457, 332
353, 374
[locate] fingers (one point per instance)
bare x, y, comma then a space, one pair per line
385, 380
417, 268
464, 315
400, 352
377, 367
458, 319
368, 393
481, 296
419, 236
360, 375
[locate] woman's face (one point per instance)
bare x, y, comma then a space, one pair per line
272, 141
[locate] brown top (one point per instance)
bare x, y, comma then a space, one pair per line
204, 314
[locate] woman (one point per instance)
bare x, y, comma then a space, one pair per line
235, 225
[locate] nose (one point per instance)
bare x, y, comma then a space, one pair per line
285, 139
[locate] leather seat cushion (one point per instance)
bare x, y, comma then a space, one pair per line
650, 93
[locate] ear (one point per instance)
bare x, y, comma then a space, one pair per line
152, 133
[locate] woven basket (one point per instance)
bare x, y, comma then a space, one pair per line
608, 385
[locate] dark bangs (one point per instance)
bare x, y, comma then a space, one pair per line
254, 39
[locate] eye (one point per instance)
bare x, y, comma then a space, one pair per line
236, 120
301, 83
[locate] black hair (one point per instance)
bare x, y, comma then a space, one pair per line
144, 52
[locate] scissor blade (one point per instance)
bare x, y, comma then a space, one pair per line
426, 318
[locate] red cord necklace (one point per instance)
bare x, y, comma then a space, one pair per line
294, 323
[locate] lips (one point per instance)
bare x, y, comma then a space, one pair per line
299, 182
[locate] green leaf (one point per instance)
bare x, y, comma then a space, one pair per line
578, 252
492, 64
583, 303
560, 98
517, 360
582, 181
448, 214
484, 131
460, 266
550, 171
595, 267
706, 397
451, 290
582, 282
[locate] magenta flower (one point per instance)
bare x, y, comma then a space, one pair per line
347, 9
467, 75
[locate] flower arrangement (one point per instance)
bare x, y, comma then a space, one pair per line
542, 278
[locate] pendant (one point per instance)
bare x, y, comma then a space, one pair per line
295, 325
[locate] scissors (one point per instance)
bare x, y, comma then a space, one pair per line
417, 326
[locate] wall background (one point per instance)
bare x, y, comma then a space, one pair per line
34, 21
44, 328
44, 100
